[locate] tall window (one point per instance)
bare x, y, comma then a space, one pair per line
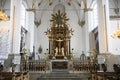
93, 17
93, 23
23, 28
22, 16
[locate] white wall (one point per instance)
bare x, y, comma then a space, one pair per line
114, 43
76, 39
42, 39
5, 37
112, 26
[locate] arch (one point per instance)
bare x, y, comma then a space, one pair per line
59, 7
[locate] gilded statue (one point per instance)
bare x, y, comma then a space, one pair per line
62, 49
93, 55
56, 51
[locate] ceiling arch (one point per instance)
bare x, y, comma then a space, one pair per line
40, 6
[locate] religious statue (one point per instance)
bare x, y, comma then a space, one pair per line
93, 55
72, 54
62, 51
56, 51
25, 54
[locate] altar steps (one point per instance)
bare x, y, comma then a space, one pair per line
63, 78
59, 76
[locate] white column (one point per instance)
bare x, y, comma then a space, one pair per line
30, 26
35, 42
35, 38
102, 26
15, 25
83, 38
87, 47
85, 32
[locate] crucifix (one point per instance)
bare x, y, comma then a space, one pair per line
59, 45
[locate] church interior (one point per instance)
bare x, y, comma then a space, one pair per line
59, 39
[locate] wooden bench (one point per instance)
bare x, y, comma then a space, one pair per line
103, 76
14, 75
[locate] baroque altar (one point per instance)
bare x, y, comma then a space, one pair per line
59, 37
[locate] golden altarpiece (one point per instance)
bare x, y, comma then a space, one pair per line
59, 37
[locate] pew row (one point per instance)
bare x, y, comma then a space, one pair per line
14, 75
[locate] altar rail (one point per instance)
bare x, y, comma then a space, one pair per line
80, 65
104, 76
34, 65
14, 75
45, 65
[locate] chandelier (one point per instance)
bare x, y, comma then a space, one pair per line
3, 16
117, 32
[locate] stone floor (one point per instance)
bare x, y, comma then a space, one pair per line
59, 76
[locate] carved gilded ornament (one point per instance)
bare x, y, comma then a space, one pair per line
59, 19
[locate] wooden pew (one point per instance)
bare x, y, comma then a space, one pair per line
14, 75
103, 76
107, 75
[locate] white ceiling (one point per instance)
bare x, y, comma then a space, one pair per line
38, 6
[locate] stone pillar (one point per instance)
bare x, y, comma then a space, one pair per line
85, 34
87, 48
15, 23
102, 26
30, 26
36, 39
103, 16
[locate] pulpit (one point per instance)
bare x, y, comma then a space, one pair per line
59, 37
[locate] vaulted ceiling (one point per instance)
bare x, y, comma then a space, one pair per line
79, 6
